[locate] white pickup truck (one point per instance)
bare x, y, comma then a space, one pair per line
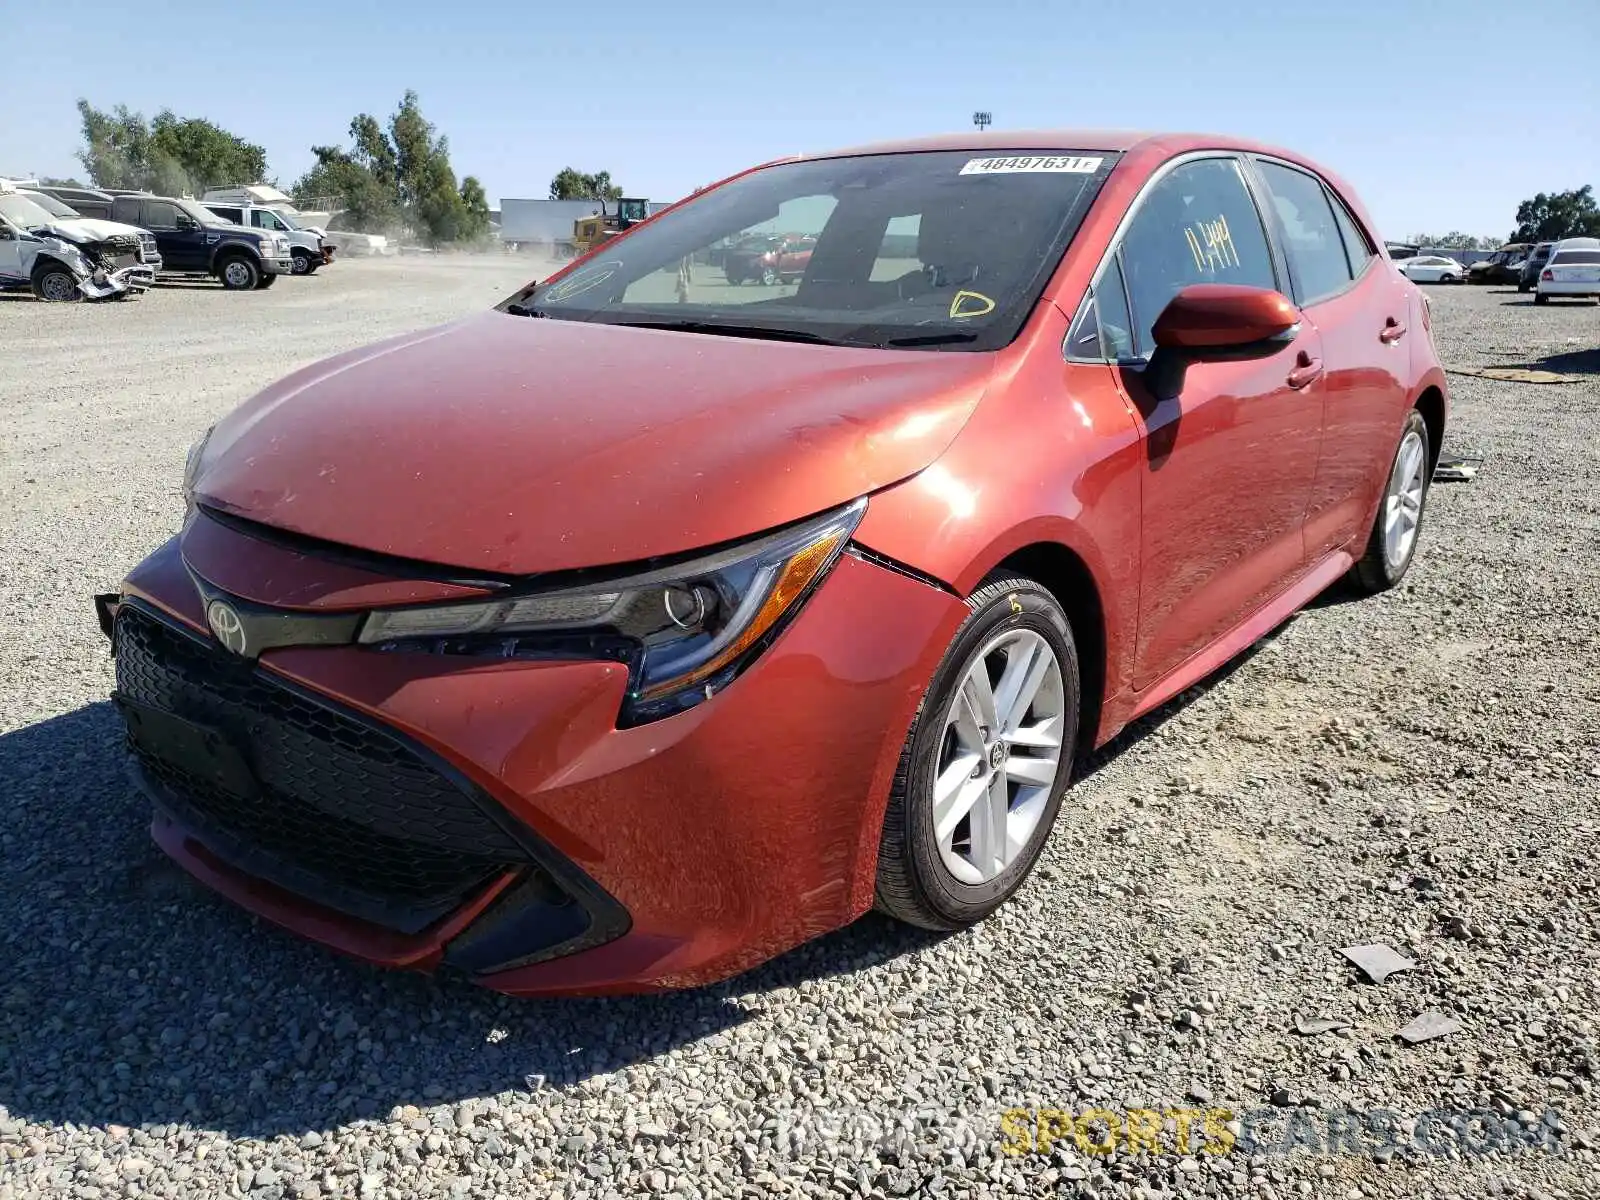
308, 246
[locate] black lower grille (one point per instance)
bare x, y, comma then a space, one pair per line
337, 809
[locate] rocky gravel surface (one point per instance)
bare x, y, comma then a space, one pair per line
1420, 770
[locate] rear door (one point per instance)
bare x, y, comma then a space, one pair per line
1229, 462
1362, 313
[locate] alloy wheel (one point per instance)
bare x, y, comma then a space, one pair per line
999, 757
1402, 504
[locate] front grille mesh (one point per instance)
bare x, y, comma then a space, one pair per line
347, 813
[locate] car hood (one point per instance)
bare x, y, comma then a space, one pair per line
520, 445
90, 229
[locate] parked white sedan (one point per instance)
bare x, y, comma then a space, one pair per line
1432, 268
1573, 270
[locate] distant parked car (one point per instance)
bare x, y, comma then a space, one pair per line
64, 258
195, 241
1503, 266
1532, 265
86, 202
768, 260
1432, 268
1573, 270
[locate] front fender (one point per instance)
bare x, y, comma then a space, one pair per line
1053, 455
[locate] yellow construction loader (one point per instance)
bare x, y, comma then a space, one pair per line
589, 232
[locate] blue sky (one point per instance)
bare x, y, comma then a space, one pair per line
1441, 112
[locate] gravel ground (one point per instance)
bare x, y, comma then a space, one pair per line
1421, 769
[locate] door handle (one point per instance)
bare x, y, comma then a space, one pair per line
1307, 370
1393, 331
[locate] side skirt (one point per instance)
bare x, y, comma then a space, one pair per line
1251, 630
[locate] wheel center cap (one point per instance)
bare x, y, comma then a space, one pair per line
997, 755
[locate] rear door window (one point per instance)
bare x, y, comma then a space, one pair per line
1311, 237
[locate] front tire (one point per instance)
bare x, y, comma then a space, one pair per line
302, 262
238, 273
266, 281
54, 283
986, 761
1392, 544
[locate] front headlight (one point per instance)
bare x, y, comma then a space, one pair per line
686, 630
191, 465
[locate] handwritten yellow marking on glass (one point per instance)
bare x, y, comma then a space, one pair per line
963, 303
1211, 243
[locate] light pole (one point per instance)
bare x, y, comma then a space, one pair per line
982, 120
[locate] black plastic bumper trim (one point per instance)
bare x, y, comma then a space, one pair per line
608, 919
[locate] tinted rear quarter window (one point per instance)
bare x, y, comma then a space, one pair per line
1357, 249
1310, 234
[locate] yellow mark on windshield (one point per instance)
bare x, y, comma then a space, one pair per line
970, 304
1211, 243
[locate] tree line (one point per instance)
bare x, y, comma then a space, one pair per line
392, 175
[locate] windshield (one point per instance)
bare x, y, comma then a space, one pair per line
23, 211
51, 205
200, 213
285, 219
941, 250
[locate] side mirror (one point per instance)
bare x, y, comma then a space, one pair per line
186, 223
1217, 322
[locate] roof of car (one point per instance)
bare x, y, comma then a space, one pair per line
1109, 140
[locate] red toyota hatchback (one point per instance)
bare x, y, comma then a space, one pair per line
630, 633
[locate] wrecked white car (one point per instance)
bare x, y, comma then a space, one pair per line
61, 259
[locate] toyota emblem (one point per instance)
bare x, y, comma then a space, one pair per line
226, 625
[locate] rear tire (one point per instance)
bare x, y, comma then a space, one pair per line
1405, 495
915, 882
1540, 298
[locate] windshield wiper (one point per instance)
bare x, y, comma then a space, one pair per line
776, 334
931, 339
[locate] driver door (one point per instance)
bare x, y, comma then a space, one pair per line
180, 239
1230, 462
11, 271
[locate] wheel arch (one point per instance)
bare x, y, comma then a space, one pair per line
44, 260
1430, 403
233, 250
1067, 576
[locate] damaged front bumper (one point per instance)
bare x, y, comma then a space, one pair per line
101, 284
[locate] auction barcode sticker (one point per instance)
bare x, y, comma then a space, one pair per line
1070, 164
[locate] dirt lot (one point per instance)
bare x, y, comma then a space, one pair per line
1421, 769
